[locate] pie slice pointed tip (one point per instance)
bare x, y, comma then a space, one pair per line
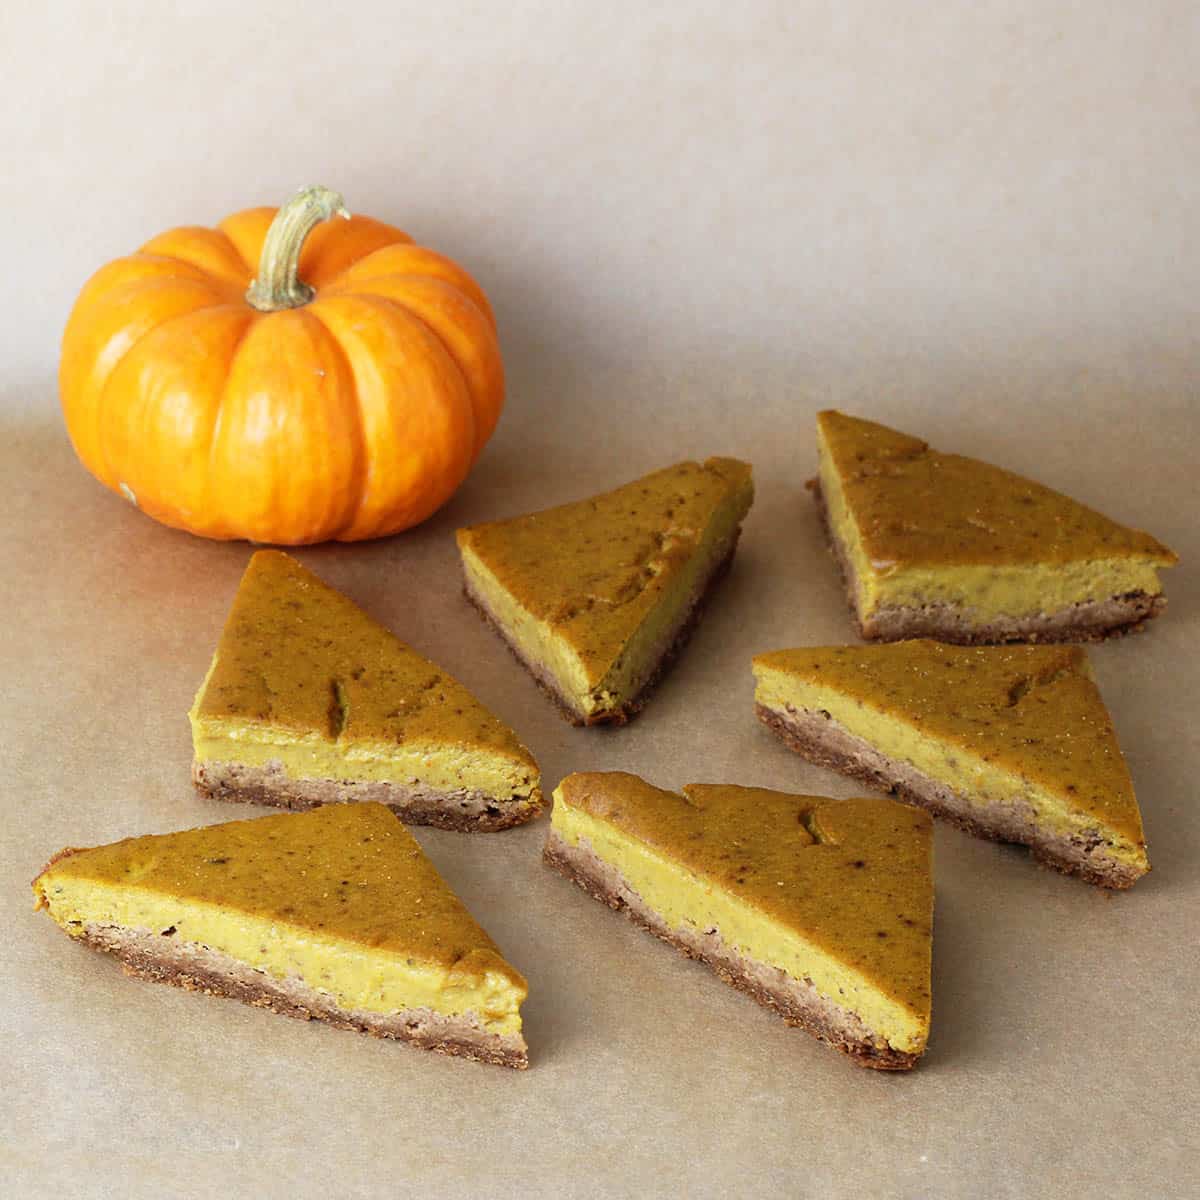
819, 909
945, 546
597, 597
333, 914
309, 701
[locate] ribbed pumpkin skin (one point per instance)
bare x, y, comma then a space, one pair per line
354, 416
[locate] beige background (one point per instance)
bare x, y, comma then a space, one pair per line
699, 223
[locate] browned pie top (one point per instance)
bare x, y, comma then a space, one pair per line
853, 875
916, 506
351, 872
298, 655
594, 569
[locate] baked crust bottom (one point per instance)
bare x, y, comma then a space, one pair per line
668, 650
821, 740
464, 811
1089, 621
797, 1001
196, 968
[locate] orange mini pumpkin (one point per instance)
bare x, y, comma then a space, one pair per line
236, 405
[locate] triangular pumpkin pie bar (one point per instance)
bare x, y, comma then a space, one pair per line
334, 914
938, 545
1011, 743
596, 598
309, 701
819, 909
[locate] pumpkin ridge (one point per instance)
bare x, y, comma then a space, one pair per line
485, 422
103, 400
360, 442
340, 281
365, 287
237, 286
87, 361
157, 433
383, 305
158, 256
388, 302
209, 279
392, 302
446, 270
113, 278
395, 305
216, 425
320, 275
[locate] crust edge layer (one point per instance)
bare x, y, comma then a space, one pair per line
826, 745
198, 969
466, 812
623, 714
583, 868
1094, 621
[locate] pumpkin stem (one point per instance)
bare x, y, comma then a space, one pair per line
278, 284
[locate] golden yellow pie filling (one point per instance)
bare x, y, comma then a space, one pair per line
341, 899
592, 593
851, 913
923, 528
433, 764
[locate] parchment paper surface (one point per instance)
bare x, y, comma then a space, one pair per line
699, 224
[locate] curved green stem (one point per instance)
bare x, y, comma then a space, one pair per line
278, 284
